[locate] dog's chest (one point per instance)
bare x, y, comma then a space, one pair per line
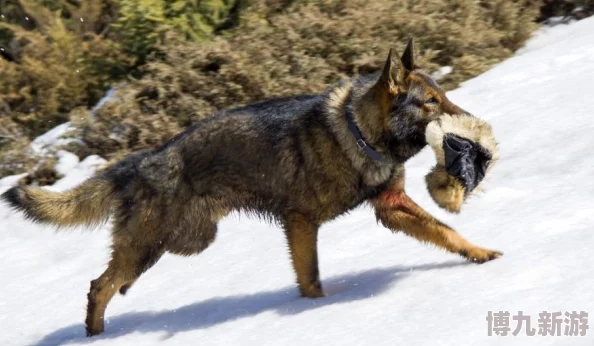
403, 150
377, 175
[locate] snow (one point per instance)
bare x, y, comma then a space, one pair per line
66, 162
11, 180
442, 72
383, 289
51, 139
109, 95
79, 171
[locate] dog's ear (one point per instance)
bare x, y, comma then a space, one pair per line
393, 74
408, 57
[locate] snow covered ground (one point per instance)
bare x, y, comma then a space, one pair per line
383, 289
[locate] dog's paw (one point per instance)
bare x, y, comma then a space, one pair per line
479, 255
314, 294
93, 331
313, 290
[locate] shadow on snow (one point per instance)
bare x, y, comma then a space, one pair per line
340, 289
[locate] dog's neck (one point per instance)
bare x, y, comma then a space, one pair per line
360, 138
338, 100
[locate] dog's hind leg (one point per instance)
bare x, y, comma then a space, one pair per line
128, 262
302, 237
196, 227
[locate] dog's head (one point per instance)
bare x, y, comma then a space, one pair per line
403, 99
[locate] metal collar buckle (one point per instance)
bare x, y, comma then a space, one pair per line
361, 143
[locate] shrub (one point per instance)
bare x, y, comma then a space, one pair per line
53, 68
188, 58
284, 48
566, 9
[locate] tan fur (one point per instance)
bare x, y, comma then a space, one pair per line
128, 261
302, 238
88, 203
446, 190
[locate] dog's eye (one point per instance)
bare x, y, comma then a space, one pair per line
431, 101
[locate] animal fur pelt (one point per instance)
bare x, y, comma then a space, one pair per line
466, 151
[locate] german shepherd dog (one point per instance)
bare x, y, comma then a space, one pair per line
299, 161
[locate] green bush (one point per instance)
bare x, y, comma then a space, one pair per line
55, 65
141, 24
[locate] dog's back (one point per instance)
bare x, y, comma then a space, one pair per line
265, 158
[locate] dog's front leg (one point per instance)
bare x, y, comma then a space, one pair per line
302, 236
397, 211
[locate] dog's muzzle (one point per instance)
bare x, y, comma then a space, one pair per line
465, 150
465, 160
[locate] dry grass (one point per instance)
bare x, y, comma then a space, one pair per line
276, 48
301, 48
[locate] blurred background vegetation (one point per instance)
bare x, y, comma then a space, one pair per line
171, 63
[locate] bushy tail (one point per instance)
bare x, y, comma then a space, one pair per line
89, 203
